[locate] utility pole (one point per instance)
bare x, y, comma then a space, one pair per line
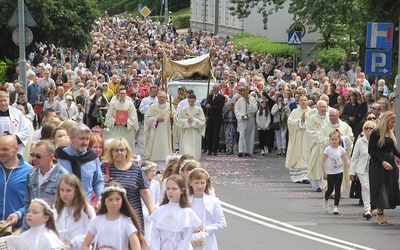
216, 20
166, 12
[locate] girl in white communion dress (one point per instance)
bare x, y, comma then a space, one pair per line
42, 234
74, 212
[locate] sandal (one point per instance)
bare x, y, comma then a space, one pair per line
382, 220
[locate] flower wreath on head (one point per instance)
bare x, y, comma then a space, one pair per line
185, 162
198, 170
113, 189
149, 166
46, 205
172, 157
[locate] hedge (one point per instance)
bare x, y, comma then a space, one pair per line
180, 22
261, 44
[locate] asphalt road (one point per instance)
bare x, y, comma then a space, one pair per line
265, 210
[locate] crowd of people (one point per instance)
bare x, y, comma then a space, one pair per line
337, 116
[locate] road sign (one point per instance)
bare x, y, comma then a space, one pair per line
379, 35
29, 21
28, 36
145, 11
294, 38
378, 62
303, 29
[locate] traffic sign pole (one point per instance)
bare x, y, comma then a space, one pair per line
22, 60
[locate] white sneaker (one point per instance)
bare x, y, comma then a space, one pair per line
262, 152
335, 210
325, 204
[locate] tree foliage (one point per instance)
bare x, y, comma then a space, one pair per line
173, 5
65, 23
340, 22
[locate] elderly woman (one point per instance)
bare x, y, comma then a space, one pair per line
69, 109
384, 173
118, 166
359, 166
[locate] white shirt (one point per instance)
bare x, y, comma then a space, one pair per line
43, 178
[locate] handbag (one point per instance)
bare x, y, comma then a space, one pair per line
5, 228
355, 188
276, 126
199, 239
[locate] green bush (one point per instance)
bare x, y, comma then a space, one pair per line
182, 21
330, 57
7, 70
261, 44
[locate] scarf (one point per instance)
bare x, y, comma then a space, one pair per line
76, 160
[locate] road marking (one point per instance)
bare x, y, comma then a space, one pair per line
291, 229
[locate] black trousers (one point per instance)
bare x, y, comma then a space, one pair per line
263, 138
334, 182
213, 128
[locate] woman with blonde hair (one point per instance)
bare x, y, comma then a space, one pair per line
384, 173
118, 166
359, 165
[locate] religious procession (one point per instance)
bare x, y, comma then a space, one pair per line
67, 187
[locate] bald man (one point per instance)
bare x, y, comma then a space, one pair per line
297, 146
346, 136
315, 145
157, 129
13, 176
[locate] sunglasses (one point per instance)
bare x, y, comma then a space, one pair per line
371, 118
38, 156
373, 108
369, 128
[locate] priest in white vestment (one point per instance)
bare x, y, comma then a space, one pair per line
315, 147
13, 121
347, 138
191, 123
297, 152
122, 119
245, 111
158, 129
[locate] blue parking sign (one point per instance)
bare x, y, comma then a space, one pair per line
378, 62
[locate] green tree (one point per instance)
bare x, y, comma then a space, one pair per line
173, 5
65, 23
340, 22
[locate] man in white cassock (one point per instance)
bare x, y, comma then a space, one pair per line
191, 123
347, 140
181, 105
12, 121
122, 120
297, 158
245, 110
315, 146
157, 129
